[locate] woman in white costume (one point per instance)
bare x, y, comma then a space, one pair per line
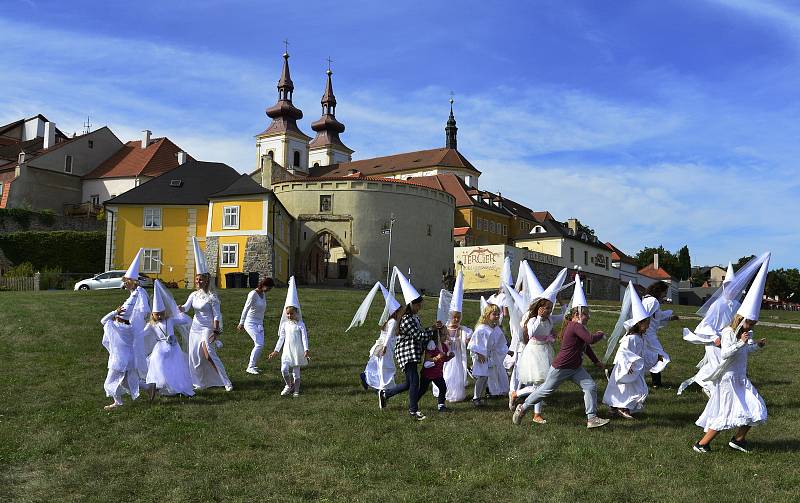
627, 389
293, 340
139, 314
252, 321
651, 301
734, 401
206, 367
458, 337
486, 332
380, 369
168, 366
118, 339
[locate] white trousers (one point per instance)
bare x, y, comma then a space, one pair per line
291, 376
256, 332
120, 382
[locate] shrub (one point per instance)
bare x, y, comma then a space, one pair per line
23, 270
72, 251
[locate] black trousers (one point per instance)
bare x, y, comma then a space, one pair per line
411, 385
424, 384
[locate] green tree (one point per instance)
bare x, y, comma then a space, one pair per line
685, 263
666, 259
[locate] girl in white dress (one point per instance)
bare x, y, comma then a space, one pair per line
168, 366
537, 353
458, 337
479, 346
659, 319
380, 369
118, 339
627, 389
734, 401
293, 339
252, 321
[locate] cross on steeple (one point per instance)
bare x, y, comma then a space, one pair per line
451, 97
286, 45
329, 60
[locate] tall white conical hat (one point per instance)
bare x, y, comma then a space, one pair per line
505, 276
638, 312
199, 258
552, 290
291, 295
133, 270
531, 282
728, 275
159, 303
484, 303
751, 305
409, 292
458, 293
391, 303
578, 297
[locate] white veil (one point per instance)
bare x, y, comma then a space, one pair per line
619, 328
171, 309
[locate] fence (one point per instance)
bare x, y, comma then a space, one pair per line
20, 283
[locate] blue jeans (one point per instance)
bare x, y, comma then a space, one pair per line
554, 379
411, 384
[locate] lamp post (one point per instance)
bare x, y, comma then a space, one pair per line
389, 259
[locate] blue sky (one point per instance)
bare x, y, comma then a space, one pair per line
669, 122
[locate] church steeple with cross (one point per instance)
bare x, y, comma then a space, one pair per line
450, 130
327, 148
282, 140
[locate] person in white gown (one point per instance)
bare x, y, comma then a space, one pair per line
380, 370
480, 345
168, 366
118, 339
659, 319
537, 353
458, 337
252, 321
734, 401
627, 389
292, 341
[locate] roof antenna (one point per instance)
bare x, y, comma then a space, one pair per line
87, 126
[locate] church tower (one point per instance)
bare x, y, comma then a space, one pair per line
282, 140
326, 148
450, 130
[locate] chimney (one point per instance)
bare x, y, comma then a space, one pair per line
181, 157
145, 138
655, 261
266, 171
572, 223
49, 134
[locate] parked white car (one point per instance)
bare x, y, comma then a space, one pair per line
109, 279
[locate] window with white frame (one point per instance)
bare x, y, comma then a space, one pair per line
229, 255
151, 260
95, 199
230, 217
67, 164
152, 218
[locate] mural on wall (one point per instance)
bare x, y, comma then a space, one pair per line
482, 264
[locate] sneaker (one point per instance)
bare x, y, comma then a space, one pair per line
296, 394
519, 413
364, 384
252, 370
739, 445
229, 387
477, 402
418, 416
624, 413
112, 406
443, 408
382, 398
286, 390
597, 422
701, 448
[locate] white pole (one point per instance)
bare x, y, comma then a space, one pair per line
389, 260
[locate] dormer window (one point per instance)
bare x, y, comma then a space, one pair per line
296, 160
583, 236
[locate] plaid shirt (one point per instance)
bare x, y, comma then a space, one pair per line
411, 340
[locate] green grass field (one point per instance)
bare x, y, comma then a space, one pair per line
332, 443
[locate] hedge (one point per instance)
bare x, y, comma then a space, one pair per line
71, 251
23, 216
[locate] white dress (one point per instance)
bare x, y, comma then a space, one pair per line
498, 348
734, 400
380, 370
168, 366
206, 311
627, 388
479, 344
122, 375
658, 320
707, 366
455, 369
293, 338
537, 355
139, 316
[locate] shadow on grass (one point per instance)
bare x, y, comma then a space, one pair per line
788, 445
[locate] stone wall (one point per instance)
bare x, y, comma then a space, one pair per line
10, 224
258, 256
212, 257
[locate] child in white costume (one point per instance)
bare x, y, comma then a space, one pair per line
138, 314
458, 337
734, 401
627, 389
380, 369
252, 321
204, 364
659, 319
118, 339
293, 339
486, 332
168, 366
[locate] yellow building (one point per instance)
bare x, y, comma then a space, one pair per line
229, 213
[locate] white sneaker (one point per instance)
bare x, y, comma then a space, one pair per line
596, 422
252, 370
296, 394
286, 390
229, 387
519, 413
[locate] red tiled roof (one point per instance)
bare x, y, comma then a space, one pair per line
444, 157
160, 156
541, 216
651, 272
618, 256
